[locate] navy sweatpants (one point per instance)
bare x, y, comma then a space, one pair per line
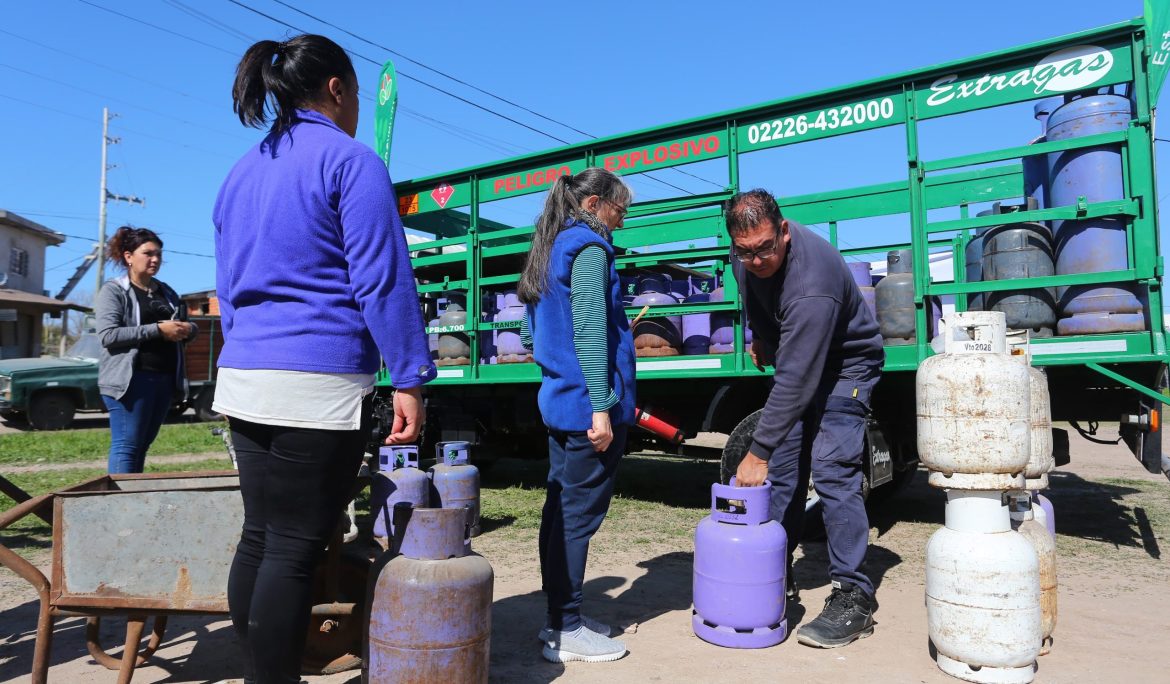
827, 442
580, 484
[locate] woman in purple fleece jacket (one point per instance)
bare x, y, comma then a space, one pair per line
315, 289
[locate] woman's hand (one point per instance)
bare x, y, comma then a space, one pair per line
175, 331
409, 416
601, 434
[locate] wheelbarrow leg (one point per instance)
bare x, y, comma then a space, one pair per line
93, 642
134, 628
44, 644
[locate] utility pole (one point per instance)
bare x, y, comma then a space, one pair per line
106, 196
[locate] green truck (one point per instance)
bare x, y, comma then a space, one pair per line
467, 246
47, 391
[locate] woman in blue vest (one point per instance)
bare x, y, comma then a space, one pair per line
586, 392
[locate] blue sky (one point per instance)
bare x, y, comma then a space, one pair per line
602, 67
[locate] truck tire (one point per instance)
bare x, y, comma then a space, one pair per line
51, 410
737, 447
202, 405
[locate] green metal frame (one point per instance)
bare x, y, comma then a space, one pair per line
448, 205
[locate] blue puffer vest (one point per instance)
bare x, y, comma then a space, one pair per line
564, 398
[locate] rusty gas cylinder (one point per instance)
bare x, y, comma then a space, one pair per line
430, 616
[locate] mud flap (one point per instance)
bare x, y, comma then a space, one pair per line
881, 463
1142, 431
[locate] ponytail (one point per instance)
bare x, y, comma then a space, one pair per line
283, 77
562, 208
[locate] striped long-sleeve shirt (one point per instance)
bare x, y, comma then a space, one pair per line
587, 288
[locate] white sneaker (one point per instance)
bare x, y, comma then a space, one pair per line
582, 644
601, 628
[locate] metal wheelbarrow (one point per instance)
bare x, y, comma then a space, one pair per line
157, 545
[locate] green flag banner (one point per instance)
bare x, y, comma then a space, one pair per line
384, 114
1158, 35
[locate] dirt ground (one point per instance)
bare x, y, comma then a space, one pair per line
1112, 518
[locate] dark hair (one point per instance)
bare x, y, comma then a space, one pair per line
282, 77
562, 208
128, 239
747, 210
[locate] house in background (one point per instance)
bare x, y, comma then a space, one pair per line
23, 302
203, 303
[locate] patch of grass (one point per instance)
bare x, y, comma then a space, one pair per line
657, 500
69, 446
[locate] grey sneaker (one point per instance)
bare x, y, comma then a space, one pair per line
601, 628
582, 644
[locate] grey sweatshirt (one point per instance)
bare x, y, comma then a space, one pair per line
120, 332
811, 317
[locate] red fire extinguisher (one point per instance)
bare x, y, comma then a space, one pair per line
658, 423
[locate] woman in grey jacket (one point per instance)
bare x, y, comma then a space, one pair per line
141, 367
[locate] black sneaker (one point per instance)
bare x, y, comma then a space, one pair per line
848, 616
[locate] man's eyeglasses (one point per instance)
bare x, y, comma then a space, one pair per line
767, 252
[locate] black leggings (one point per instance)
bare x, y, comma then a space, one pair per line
295, 483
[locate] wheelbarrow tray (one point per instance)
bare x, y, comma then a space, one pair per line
158, 543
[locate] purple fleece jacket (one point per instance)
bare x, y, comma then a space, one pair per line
312, 268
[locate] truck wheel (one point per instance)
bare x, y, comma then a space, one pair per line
51, 411
202, 405
737, 447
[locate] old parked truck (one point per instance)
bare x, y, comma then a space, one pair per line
48, 391
1101, 340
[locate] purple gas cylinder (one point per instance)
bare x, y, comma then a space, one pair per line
860, 270
740, 558
696, 328
455, 482
660, 335
1042, 509
398, 479
1097, 244
431, 610
487, 339
508, 346
936, 310
454, 346
435, 309
722, 327
1036, 166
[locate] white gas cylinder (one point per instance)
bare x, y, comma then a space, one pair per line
983, 593
1024, 522
1040, 459
973, 405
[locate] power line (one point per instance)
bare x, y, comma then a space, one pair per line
45, 107
460, 98
167, 251
210, 21
464, 83
470, 132
409, 77
432, 69
67, 263
50, 79
115, 70
159, 28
